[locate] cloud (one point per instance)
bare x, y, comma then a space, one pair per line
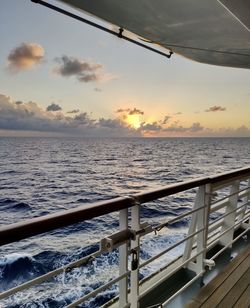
54, 107
25, 56
83, 70
130, 111
151, 126
18, 102
74, 111
215, 108
242, 131
135, 111
29, 116
166, 119
110, 123
97, 90
196, 127
122, 110
177, 128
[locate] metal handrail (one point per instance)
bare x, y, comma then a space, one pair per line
39, 225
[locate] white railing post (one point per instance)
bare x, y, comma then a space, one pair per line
202, 222
208, 200
192, 228
135, 251
229, 220
123, 261
198, 222
246, 201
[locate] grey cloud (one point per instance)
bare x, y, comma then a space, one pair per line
135, 111
54, 107
73, 111
130, 111
173, 128
177, 128
110, 123
97, 90
215, 108
115, 127
25, 56
196, 127
242, 131
151, 126
83, 70
122, 110
30, 117
166, 119
83, 119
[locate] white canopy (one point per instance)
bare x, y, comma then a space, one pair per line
207, 31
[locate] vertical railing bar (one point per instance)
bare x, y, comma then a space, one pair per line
208, 199
230, 228
246, 199
202, 221
123, 261
229, 244
226, 214
229, 220
135, 248
198, 205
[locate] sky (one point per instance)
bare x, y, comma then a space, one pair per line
61, 77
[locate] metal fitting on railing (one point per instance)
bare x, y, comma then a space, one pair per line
145, 228
135, 260
209, 263
115, 240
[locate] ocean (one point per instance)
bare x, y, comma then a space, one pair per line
39, 176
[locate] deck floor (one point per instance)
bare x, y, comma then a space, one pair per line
231, 288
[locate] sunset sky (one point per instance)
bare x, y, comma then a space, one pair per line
61, 77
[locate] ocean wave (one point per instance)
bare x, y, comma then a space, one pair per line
11, 204
17, 268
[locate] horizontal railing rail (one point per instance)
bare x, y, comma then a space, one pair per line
39, 225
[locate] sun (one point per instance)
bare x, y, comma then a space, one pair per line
134, 120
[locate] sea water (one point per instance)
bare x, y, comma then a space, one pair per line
39, 176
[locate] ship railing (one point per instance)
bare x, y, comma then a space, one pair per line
221, 206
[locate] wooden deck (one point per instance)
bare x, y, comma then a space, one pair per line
230, 288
